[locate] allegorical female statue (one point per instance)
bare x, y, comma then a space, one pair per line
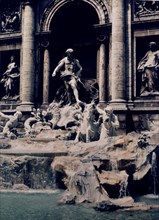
149, 68
10, 78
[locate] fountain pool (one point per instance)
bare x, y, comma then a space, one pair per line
42, 205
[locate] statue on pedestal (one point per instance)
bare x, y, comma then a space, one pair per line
70, 72
76, 90
10, 78
149, 68
109, 123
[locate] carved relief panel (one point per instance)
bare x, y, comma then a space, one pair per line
145, 8
10, 16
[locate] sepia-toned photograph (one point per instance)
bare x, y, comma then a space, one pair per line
79, 109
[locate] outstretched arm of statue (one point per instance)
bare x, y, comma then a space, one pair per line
6, 72
4, 116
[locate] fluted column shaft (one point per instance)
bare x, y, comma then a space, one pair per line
118, 51
102, 73
28, 41
46, 76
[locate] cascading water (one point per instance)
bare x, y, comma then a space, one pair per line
124, 178
30, 171
123, 187
114, 166
154, 171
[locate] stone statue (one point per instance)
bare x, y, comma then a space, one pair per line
89, 127
70, 72
40, 120
110, 123
13, 122
10, 77
149, 68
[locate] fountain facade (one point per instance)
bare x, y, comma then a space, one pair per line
85, 142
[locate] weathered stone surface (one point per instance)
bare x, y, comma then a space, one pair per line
4, 145
80, 179
94, 167
112, 178
139, 174
123, 202
33, 172
115, 204
119, 143
20, 187
89, 171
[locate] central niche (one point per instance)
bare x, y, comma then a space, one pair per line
72, 26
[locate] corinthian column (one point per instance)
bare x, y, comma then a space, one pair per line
102, 74
46, 76
118, 51
28, 57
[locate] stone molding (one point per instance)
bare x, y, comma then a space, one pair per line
100, 6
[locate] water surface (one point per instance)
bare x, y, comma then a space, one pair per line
44, 206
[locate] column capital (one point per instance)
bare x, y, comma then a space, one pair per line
45, 39
102, 32
27, 2
101, 38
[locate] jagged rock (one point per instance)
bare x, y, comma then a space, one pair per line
93, 163
5, 145
89, 171
112, 178
119, 143
80, 179
115, 204
35, 172
20, 187
139, 174
5, 185
154, 139
124, 202
106, 206
68, 199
